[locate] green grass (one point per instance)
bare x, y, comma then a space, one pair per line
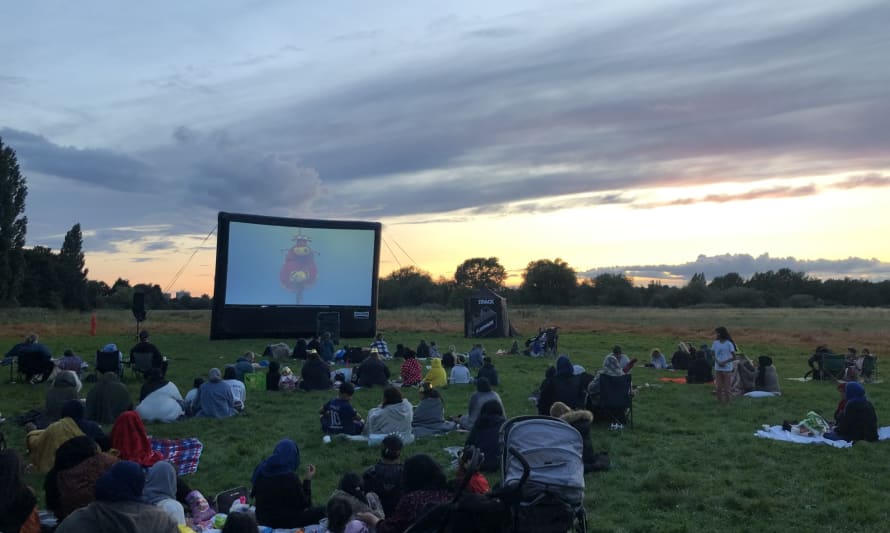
686, 465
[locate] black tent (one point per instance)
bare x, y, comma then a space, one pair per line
485, 315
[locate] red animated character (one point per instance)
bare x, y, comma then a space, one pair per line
298, 272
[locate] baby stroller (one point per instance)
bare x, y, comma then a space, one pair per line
546, 472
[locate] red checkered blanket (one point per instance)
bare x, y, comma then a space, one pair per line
184, 454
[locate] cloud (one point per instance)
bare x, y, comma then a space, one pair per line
747, 265
866, 180
756, 194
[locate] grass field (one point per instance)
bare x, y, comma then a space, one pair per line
686, 465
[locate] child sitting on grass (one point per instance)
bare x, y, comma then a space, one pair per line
470, 459
338, 415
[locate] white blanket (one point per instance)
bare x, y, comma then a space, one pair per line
777, 433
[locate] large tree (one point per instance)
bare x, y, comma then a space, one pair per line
548, 282
13, 225
407, 287
479, 272
73, 273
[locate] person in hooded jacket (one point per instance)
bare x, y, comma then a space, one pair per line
580, 419
71, 482
108, 399
565, 386
485, 434
282, 500
436, 374
160, 491
119, 507
858, 420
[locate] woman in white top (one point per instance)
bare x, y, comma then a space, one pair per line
724, 355
239, 391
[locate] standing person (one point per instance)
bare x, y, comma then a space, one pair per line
381, 346
724, 354
282, 500
144, 346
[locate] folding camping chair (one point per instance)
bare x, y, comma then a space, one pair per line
616, 401
109, 362
141, 364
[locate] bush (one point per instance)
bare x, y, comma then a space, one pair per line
802, 301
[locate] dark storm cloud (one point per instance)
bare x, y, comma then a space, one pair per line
746, 265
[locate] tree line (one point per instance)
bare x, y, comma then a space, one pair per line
554, 282
39, 277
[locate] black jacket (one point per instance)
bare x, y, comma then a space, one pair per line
372, 372
316, 375
859, 422
489, 372
282, 501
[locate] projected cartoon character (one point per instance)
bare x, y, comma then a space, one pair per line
298, 272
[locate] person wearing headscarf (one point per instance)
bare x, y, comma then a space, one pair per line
71, 483
565, 386
425, 486
282, 500
18, 504
429, 415
65, 387
611, 367
394, 415
160, 490
215, 398
580, 419
43, 443
767, 379
485, 434
273, 376
160, 399
858, 420
411, 372
108, 399
119, 506
74, 409
436, 374
483, 395
129, 438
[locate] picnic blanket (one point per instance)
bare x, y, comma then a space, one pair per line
184, 454
673, 380
777, 433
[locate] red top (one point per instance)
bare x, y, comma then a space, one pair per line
411, 372
128, 437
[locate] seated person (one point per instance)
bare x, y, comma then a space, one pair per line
215, 398
71, 483
287, 381
145, 346
385, 478
273, 376
544, 395
245, 364
436, 374
699, 369
107, 399
351, 490
338, 415
119, 503
681, 358
483, 395
380, 345
411, 372
477, 484
611, 367
402, 351
18, 504
129, 438
191, 397
425, 485
623, 359
160, 491
460, 374
372, 371
582, 420
434, 350
858, 420
475, 356
485, 435
34, 359
565, 386
429, 415
340, 517
70, 361
394, 415
489, 372
300, 349
746, 372
423, 350
65, 387
43, 443
110, 348
239, 391
815, 361
160, 399
282, 500
316, 373
657, 360
767, 380
448, 358
74, 409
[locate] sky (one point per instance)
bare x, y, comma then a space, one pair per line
654, 138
